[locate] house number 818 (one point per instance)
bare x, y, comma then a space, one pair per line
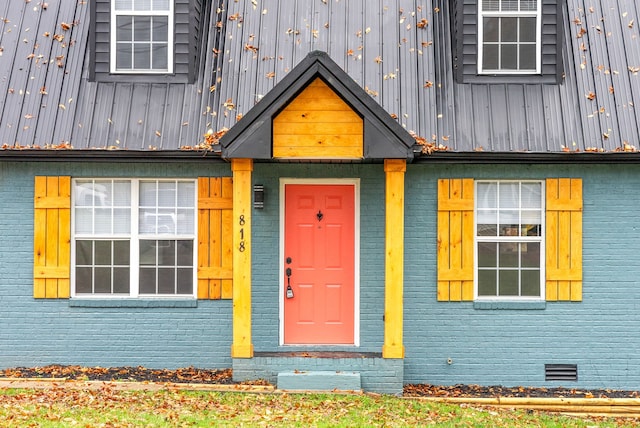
241, 222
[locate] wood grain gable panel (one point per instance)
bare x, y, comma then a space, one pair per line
318, 124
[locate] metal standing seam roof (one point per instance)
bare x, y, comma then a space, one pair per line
398, 51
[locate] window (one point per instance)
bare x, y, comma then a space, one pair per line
509, 237
509, 36
133, 238
142, 36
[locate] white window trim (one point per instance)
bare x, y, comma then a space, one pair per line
113, 42
356, 262
134, 240
541, 239
537, 14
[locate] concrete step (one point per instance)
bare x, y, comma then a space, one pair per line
319, 381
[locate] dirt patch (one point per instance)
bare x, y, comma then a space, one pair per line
424, 390
224, 377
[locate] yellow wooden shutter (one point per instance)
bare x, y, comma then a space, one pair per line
52, 237
564, 239
215, 237
455, 239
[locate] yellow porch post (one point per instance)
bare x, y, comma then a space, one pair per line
242, 346
394, 258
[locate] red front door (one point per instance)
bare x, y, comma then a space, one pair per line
319, 264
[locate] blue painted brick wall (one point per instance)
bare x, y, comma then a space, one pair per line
39, 332
510, 347
506, 346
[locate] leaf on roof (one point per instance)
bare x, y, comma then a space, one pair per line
591, 96
422, 23
378, 59
28, 116
65, 26
271, 75
248, 47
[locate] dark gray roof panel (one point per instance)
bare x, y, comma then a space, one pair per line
401, 52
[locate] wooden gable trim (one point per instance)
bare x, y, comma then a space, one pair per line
318, 124
251, 137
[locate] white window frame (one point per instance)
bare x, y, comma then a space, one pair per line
510, 14
519, 239
134, 238
113, 39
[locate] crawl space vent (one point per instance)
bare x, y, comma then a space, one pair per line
561, 372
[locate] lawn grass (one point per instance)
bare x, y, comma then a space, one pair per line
58, 407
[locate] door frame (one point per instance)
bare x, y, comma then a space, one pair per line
356, 249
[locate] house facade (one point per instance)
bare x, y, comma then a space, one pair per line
405, 192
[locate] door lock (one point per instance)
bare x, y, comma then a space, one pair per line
289, 293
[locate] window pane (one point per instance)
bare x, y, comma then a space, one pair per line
487, 254
121, 253
510, 4
124, 56
147, 253
84, 279
121, 194
160, 56
487, 282
487, 195
528, 5
142, 29
142, 4
124, 28
166, 280
166, 222
103, 221
531, 195
147, 280
161, 5
142, 57
102, 278
508, 57
122, 220
509, 254
508, 283
489, 57
185, 281
527, 57
530, 254
121, 280
527, 29
102, 253
530, 219
84, 253
490, 29
147, 221
509, 29
186, 222
530, 282
185, 253
509, 221
166, 253
509, 195
124, 4
166, 194
84, 220
186, 194
491, 4
160, 29
148, 193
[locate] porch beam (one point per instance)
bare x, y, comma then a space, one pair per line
242, 346
394, 258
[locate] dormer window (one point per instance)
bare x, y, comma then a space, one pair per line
509, 36
142, 36
507, 41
